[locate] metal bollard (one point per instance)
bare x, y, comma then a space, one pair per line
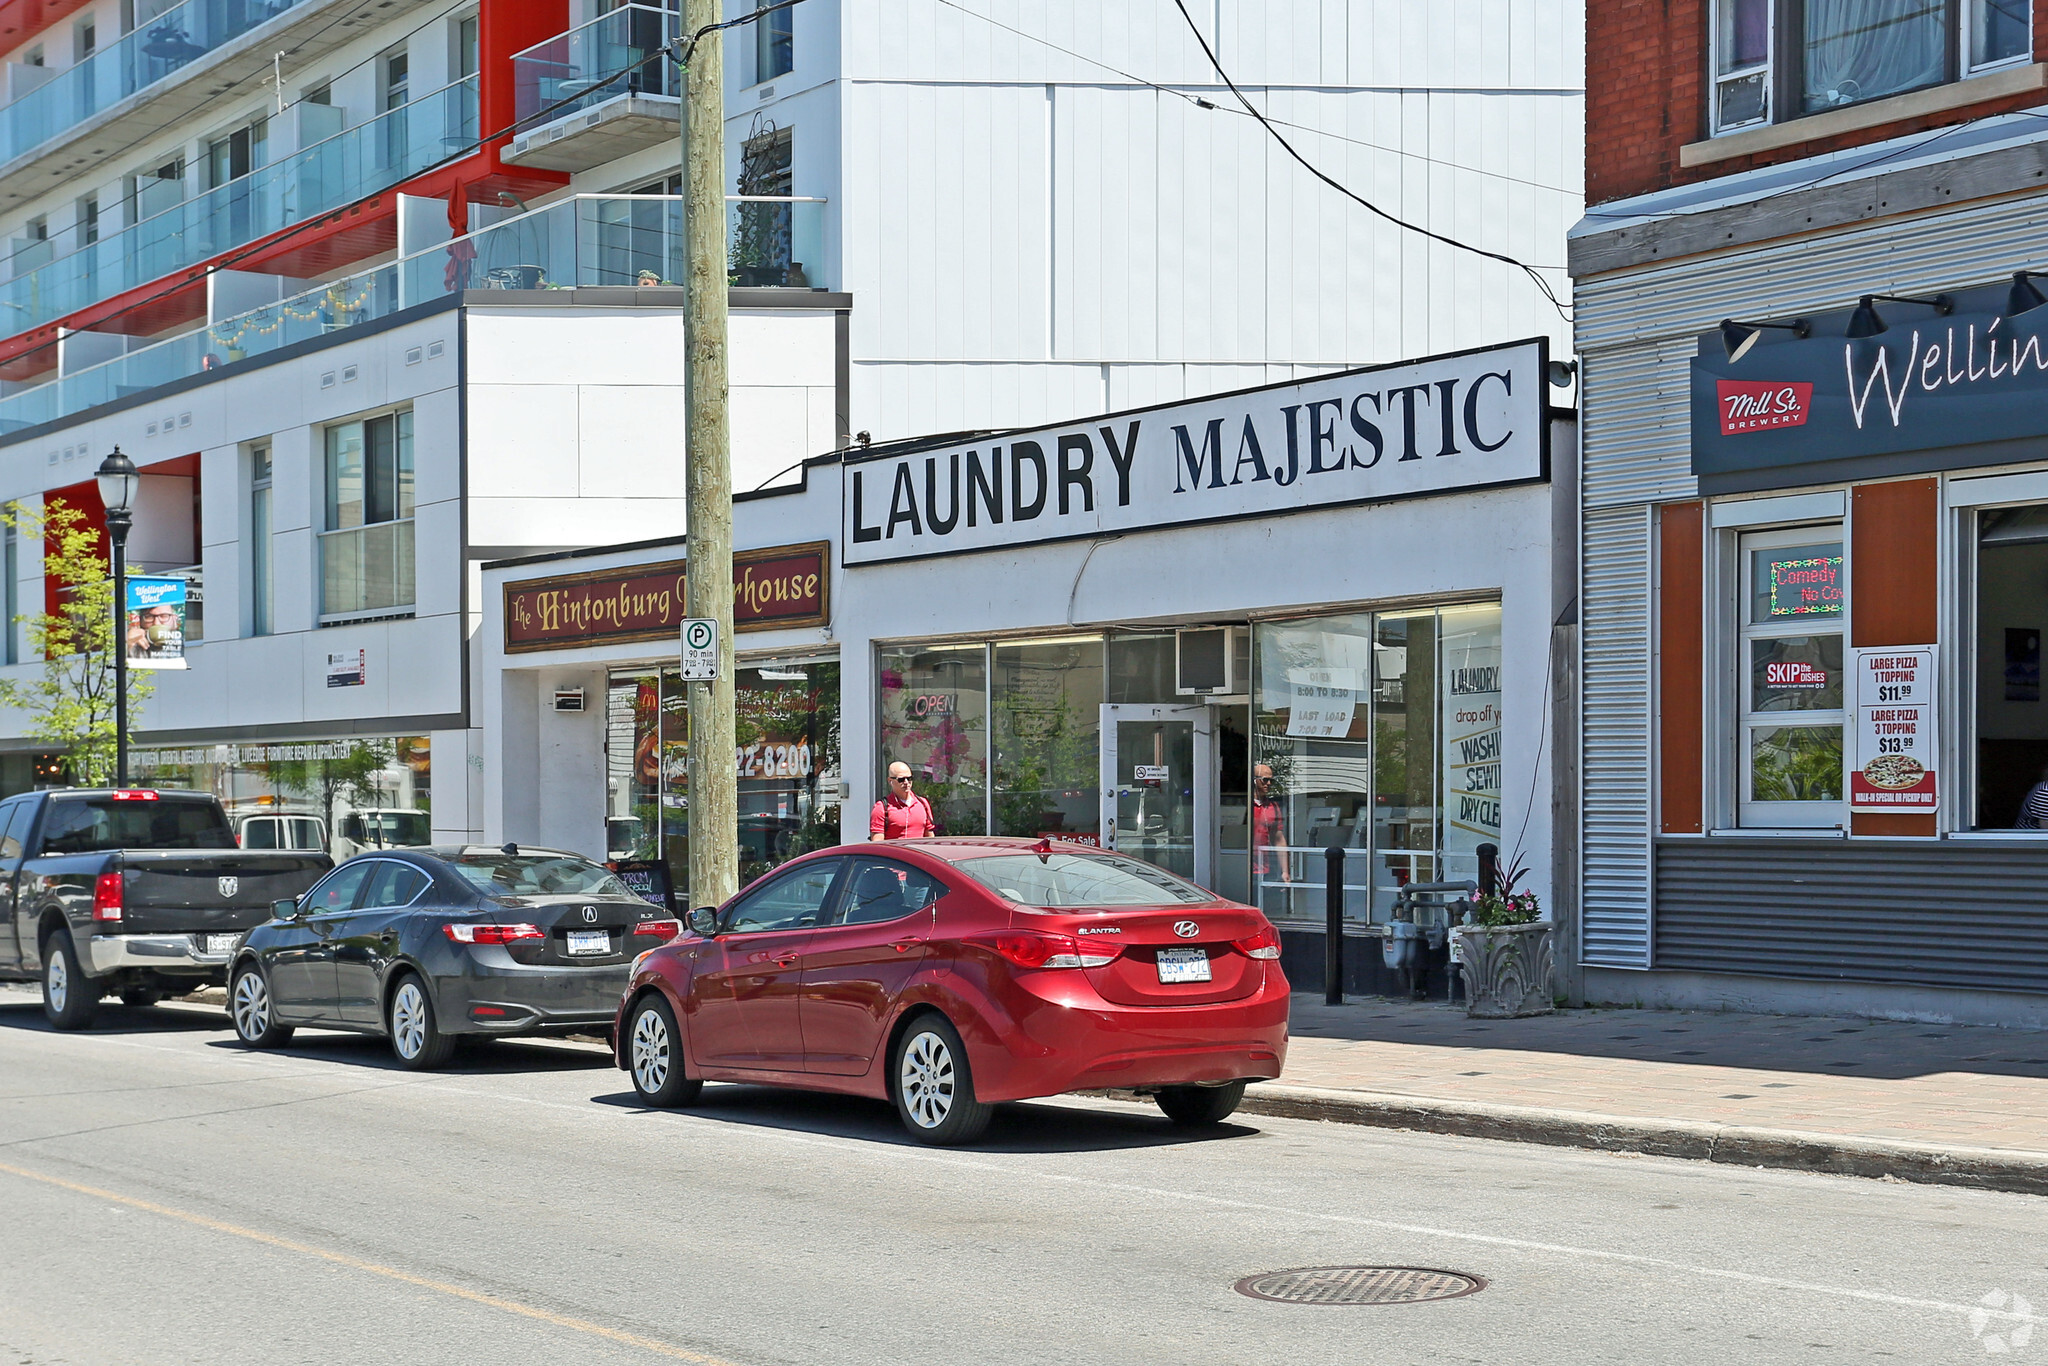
1333, 925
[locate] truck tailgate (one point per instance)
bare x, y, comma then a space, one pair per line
195, 891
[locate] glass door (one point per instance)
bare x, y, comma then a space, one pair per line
1158, 786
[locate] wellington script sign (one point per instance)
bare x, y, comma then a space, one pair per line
1467, 421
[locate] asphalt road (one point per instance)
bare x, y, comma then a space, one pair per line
170, 1197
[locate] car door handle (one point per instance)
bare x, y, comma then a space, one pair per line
905, 945
784, 960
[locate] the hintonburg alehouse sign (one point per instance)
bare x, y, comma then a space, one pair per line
1467, 421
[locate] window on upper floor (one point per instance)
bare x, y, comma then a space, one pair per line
262, 579
774, 43
237, 154
1775, 60
465, 47
366, 550
85, 38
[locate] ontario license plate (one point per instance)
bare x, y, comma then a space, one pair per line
1183, 965
584, 942
221, 943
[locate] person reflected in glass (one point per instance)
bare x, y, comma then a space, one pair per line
902, 814
1269, 839
2034, 810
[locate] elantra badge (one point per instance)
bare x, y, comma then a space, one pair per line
590, 914
1186, 929
229, 885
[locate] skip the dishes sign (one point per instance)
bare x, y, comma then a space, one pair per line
1465, 421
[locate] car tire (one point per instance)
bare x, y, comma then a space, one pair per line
416, 1038
253, 1012
71, 1000
140, 998
654, 1054
1198, 1106
933, 1086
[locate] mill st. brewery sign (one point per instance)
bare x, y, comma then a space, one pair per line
1467, 421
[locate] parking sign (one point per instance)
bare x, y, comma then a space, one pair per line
700, 649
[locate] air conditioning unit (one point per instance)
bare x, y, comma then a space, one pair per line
1204, 661
568, 699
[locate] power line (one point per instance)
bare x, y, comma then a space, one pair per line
1309, 166
1201, 103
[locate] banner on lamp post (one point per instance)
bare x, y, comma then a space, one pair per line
155, 622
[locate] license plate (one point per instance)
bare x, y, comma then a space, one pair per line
590, 941
1183, 965
221, 943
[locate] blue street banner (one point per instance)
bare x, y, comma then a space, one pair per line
156, 623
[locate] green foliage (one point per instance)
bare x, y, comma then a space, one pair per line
71, 705
1504, 905
1797, 764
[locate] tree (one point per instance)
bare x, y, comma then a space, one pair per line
71, 705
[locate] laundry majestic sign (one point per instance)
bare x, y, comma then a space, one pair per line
1931, 381
1474, 420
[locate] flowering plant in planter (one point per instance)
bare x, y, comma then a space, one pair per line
1504, 905
1505, 952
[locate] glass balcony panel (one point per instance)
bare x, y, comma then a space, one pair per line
370, 157
366, 569
159, 48
583, 241
620, 53
774, 242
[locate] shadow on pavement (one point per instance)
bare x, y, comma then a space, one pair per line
1821, 1045
25, 1012
473, 1057
1017, 1128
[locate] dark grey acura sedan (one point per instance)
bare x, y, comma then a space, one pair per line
424, 944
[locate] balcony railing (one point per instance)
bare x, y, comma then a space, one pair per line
366, 569
621, 53
587, 240
776, 240
373, 156
173, 40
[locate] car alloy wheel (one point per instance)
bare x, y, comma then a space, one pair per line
409, 1021
252, 1006
927, 1079
650, 1051
57, 982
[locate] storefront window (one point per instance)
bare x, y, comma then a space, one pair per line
1047, 719
787, 728
2012, 720
1471, 778
1791, 678
338, 796
1312, 765
934, 717
788, 731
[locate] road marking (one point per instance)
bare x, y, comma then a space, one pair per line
584, 1326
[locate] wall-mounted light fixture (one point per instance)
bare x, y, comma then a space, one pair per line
1865, 322
2024, 297
1739, 337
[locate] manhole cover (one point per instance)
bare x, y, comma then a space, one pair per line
1359, 1285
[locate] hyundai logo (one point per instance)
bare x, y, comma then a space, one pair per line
590, 914
229, 885
1186, 929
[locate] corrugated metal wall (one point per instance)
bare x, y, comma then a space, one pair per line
1831, 910
1636, 331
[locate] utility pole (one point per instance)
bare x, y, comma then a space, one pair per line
714, 786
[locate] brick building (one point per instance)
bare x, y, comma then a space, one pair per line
1814, 507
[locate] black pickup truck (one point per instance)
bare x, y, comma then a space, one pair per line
129, 890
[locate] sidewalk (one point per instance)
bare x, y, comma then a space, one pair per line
1951, 1104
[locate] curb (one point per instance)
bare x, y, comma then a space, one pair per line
2023, 1173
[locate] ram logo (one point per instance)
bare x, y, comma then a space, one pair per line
229, 886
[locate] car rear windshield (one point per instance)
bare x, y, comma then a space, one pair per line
538, 875
1080, 881
87, 825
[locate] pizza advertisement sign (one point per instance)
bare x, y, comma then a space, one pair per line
1895, 730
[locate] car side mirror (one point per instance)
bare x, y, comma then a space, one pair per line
286, 909
703, 921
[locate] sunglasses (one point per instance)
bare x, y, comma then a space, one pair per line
904, 779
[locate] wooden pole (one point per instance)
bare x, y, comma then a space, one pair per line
714, 786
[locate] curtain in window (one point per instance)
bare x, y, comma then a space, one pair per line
1861, 49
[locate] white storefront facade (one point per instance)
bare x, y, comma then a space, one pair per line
1223, 635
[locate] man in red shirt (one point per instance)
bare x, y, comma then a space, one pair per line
902, 815
1269, 843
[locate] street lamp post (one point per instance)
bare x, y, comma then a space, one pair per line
118, 480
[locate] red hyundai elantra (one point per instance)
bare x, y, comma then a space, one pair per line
950, 974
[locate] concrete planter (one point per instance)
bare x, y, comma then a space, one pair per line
1508, 970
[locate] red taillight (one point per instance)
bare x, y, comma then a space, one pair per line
106, 897
1264, 944
482, 1012
659, 929
1037, 949
491, 934
135, 795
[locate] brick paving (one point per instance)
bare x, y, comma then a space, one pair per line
1956, 1085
